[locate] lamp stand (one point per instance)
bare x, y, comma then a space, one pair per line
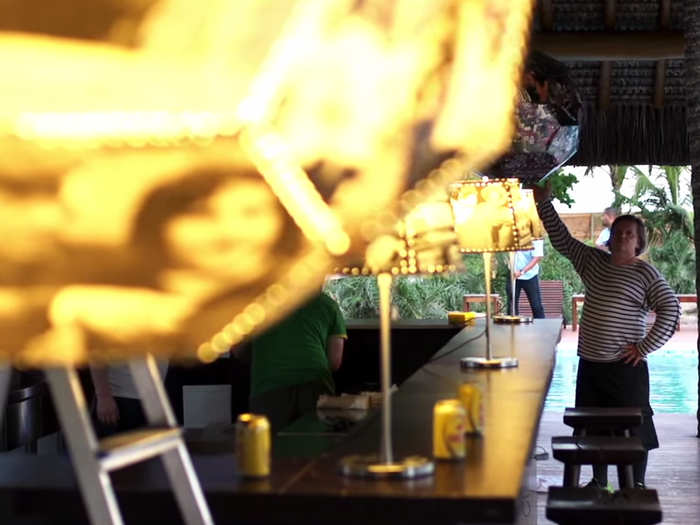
512, 318
489, 361
384, 466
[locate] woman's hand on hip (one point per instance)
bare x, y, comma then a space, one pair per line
631, 354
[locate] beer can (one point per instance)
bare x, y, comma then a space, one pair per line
253, 445
449, 418
472, 400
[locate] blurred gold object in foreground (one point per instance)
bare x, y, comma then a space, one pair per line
176, 176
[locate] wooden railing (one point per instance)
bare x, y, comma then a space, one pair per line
579, 299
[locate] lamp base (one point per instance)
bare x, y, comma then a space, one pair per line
511, 319
482, 362
370, 467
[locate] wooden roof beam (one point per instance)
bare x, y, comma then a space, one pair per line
660, 76
610, 14
547, 14
601, 46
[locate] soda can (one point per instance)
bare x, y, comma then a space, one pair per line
253, 445
472, 400
449, 418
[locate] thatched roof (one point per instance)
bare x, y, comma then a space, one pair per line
640, 118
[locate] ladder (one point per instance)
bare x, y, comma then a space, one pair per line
94, 459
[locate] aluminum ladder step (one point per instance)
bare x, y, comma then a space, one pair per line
131, 447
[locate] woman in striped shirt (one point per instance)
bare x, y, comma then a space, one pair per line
613, 339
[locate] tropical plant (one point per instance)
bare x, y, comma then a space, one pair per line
661, 203
675, 259
358, 297
561, 184
415, 297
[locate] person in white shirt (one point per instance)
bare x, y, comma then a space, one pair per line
117, 403
526, 269
609, 215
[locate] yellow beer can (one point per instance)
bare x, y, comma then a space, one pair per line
253, 445
449, 418
472, 401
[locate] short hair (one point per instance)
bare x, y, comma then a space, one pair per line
641, 231
611, 210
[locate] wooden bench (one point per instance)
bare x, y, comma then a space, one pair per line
552, 293
468, 299
610, 420
579, 299
578, 506
575, 451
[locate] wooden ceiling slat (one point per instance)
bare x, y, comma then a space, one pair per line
598, 46
547, 14
604, 85
659, 83
610, 14
665, 15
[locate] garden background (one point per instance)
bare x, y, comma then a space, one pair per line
660, 195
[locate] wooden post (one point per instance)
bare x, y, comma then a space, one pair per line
692, 87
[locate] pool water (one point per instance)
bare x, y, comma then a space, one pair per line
673, 377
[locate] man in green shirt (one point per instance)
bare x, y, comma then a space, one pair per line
294, 360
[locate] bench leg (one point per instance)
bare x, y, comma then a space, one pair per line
625, 476
572, 475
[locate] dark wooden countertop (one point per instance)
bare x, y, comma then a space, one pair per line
305, 487
403, 324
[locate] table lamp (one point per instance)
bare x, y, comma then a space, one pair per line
485, 221
424, 242
528, 221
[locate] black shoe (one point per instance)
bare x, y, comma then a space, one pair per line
639, 485
595, 484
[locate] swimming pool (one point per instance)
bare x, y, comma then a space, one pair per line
673, 380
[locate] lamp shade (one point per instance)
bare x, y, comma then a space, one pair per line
485, 218
527, 217
423, 242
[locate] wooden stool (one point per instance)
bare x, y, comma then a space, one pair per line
574, 506
589, 419
593, 420
575, 451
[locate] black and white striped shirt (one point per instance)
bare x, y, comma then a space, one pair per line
618, 298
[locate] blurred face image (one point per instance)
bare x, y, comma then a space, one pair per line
608, 219
231, 234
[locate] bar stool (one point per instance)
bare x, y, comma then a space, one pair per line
593, 420
572, 505
583, 506
575, 451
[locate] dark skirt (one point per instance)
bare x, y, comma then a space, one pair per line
618, 384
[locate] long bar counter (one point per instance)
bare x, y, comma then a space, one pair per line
305, 485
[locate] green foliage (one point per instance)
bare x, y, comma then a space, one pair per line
660, 203
416, 297
358, 297
675, 259
561, 184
